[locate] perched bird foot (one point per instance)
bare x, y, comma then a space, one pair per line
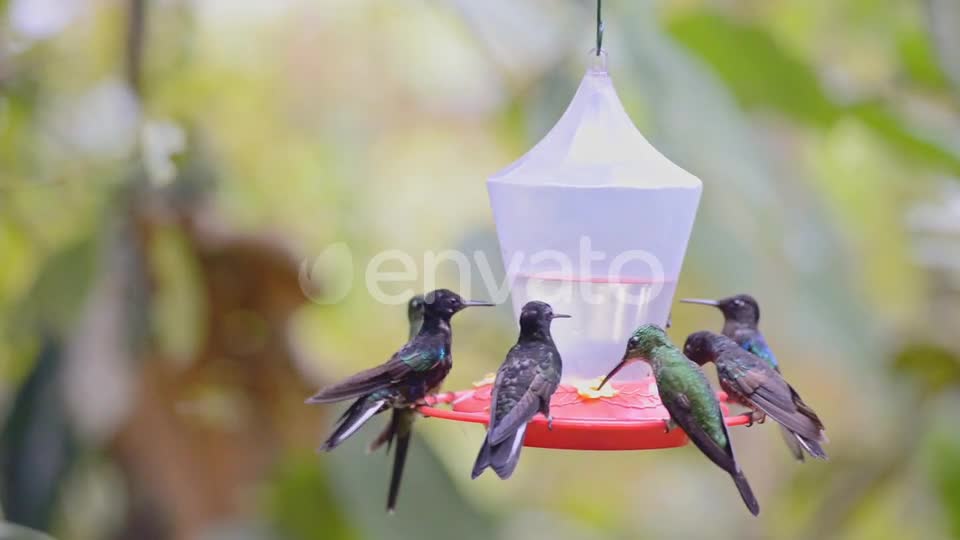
550, 423
669, 424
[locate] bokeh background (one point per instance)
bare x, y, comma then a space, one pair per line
174, 173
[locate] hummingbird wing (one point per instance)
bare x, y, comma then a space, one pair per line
811, 445
681, 411
519, 415
415, 357
763, 387
504, 455
521, 388
362, 383
753, 341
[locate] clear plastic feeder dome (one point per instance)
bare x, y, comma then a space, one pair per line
595, 221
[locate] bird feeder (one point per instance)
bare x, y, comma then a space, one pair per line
595, 221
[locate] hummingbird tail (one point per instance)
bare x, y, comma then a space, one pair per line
386, 436
745, 492
483, 460
355, 416
793, 443
505, 456
811, 446
402, 437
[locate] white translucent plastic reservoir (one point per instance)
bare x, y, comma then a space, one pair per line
595, 221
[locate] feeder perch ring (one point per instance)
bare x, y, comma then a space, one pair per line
632, 418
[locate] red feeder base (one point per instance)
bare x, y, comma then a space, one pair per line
630, 417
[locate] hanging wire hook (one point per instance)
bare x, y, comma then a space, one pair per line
599, 28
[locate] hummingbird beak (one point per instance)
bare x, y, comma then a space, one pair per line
623, 363
702, 301
561, 316
477, 303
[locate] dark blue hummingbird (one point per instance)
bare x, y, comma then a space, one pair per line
524, 385
741, 319
752, 382
400, 384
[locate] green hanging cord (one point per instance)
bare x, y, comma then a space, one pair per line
599, 28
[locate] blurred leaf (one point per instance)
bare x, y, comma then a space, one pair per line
763, 75
754, 66
303, 503
37, 445
59, 289
919, 59
933, 367
900, 136
945, 474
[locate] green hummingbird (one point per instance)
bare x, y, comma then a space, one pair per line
524, 385
689, 399
400, 384
741, 323
750, 381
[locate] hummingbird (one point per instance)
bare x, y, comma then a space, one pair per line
400, 384
401, 419
689, 399
525, 382
751, 381
415, 309
741, 319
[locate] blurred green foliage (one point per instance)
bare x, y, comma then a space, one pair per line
946, 476
301, 496
935, 368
